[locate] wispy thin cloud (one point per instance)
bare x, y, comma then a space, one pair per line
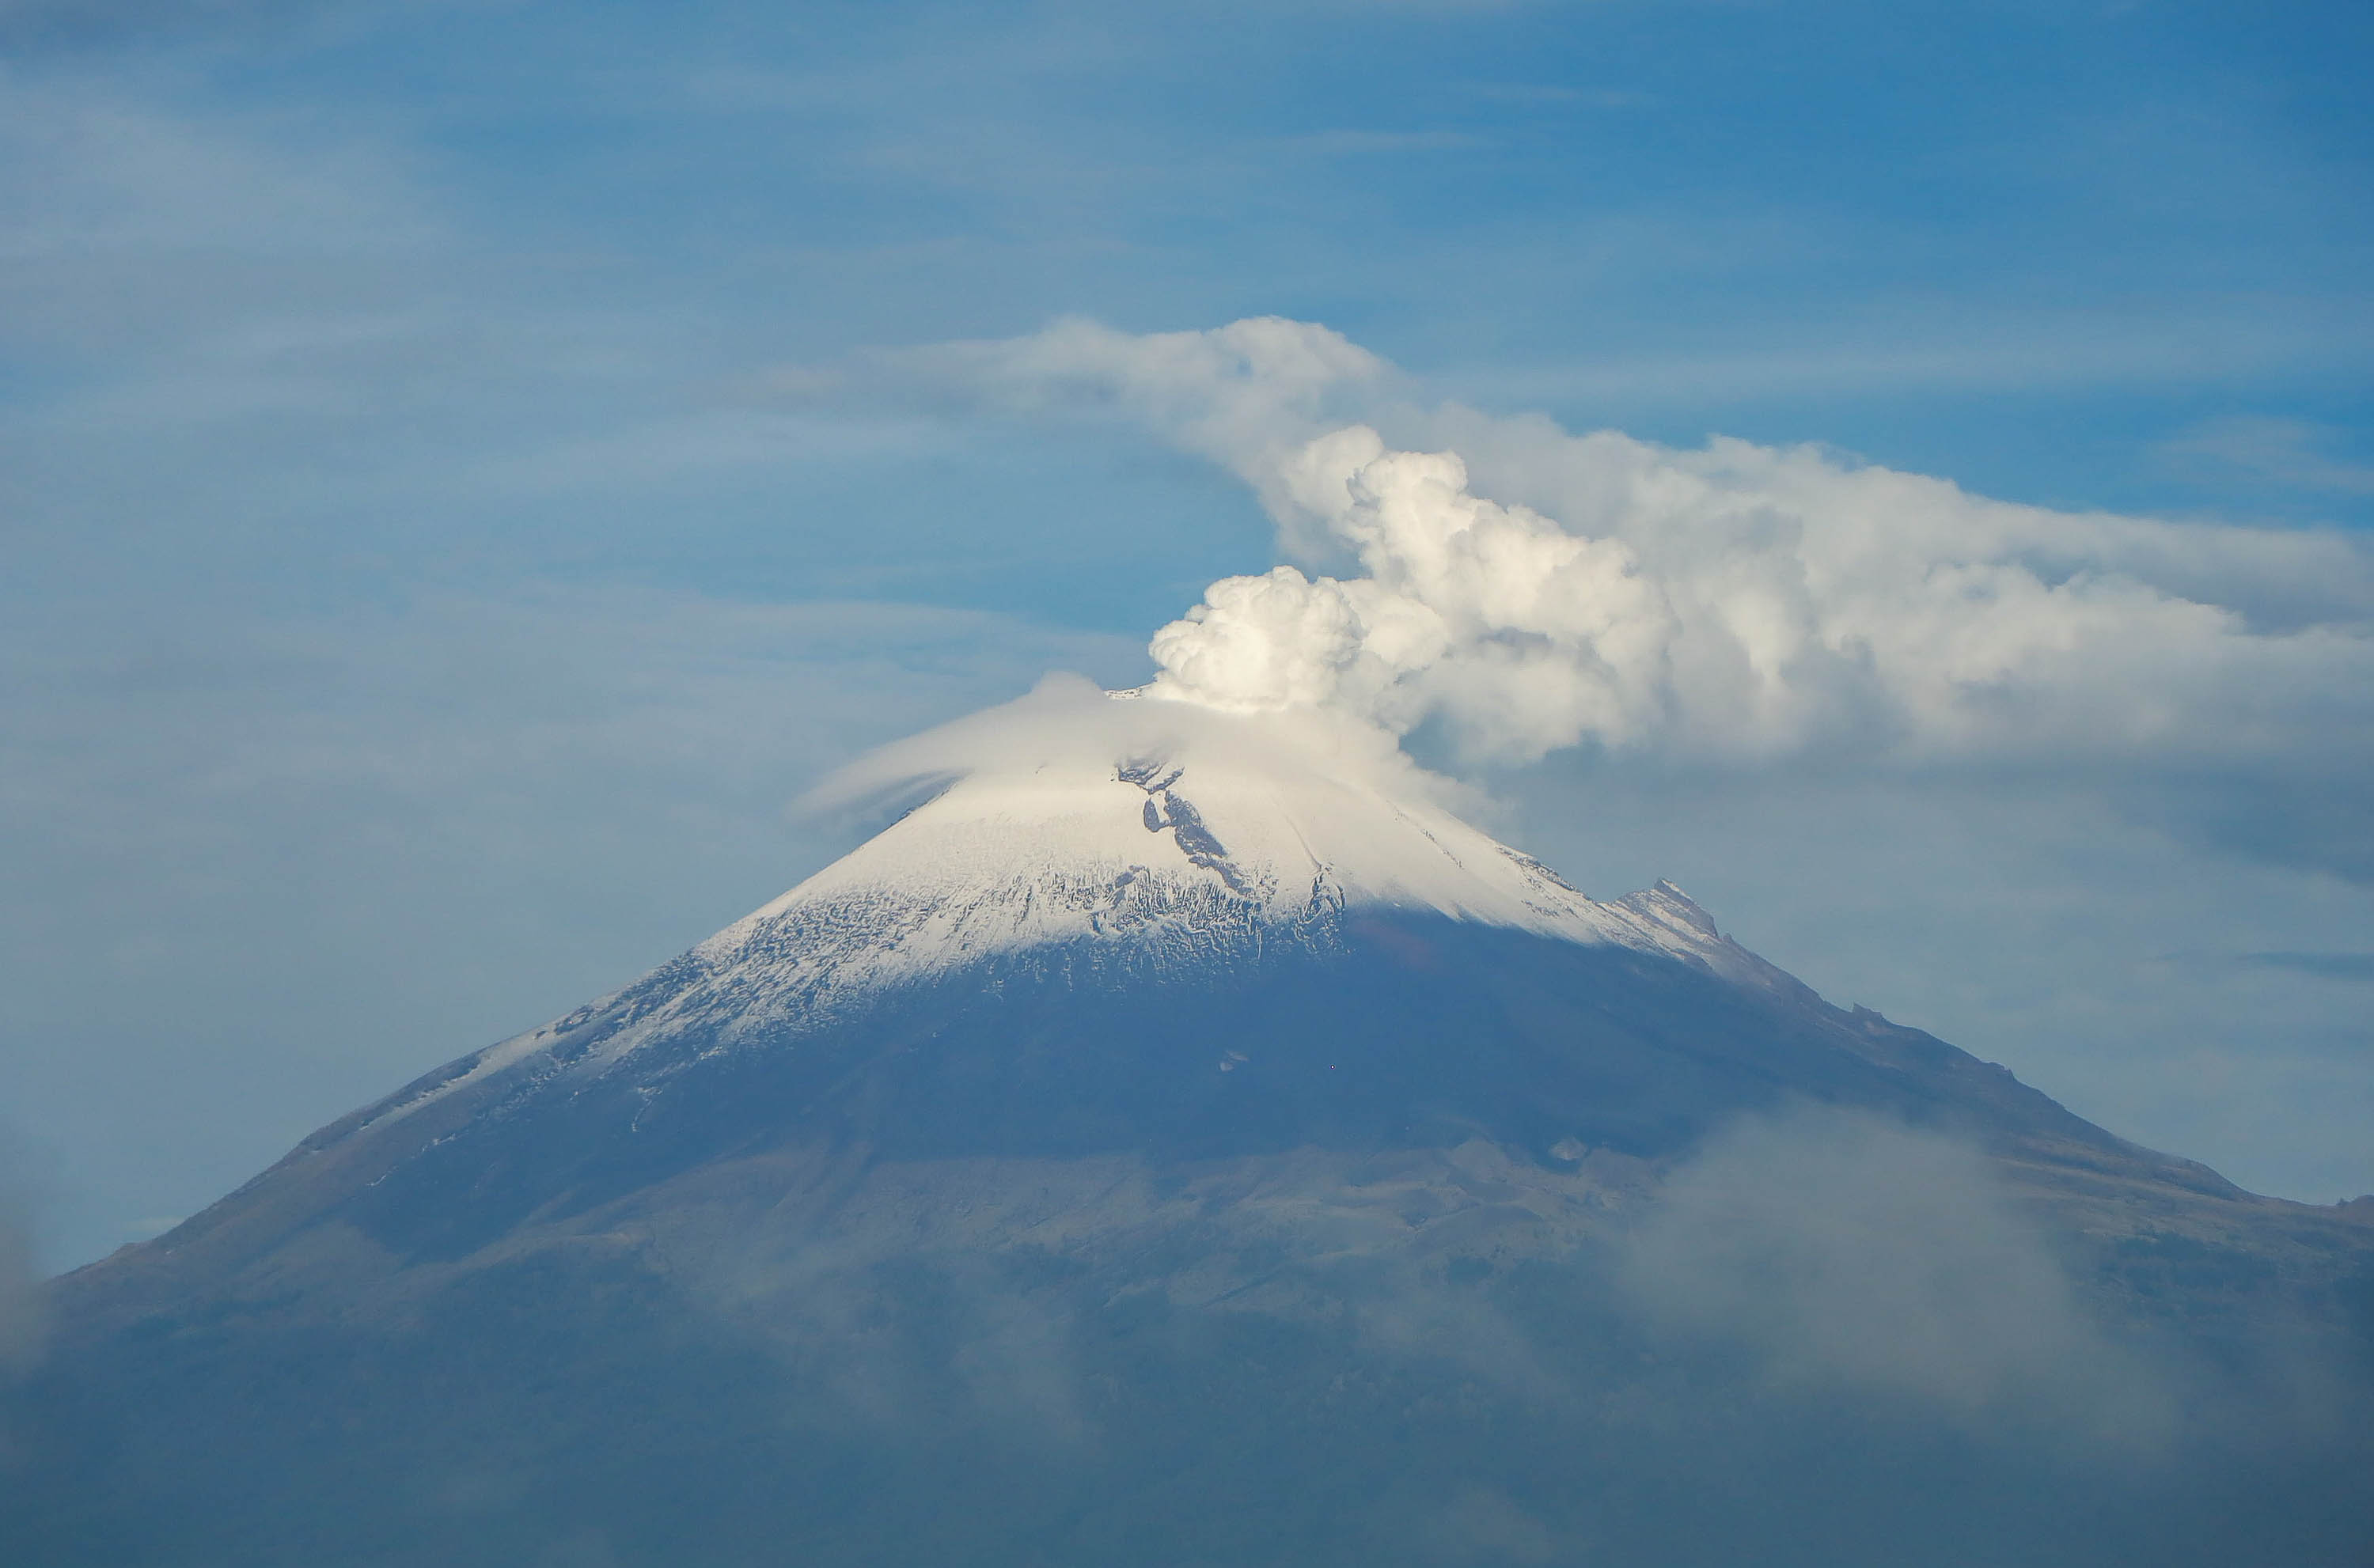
1355, 143
1913, 348
1555, 95
2351, 967
92, 169
2287, 452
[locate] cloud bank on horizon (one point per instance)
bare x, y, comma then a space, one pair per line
1525, 589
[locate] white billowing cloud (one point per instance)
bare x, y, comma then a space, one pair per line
1531, 636
1529, 589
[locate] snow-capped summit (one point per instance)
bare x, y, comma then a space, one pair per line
1095, 837
1170, 854
1108, 857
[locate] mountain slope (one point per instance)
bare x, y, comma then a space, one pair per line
1194, 1157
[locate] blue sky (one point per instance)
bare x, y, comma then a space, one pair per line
443, 531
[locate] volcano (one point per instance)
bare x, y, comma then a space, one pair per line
1153, 1151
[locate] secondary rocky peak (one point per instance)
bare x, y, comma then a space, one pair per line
1669, 906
